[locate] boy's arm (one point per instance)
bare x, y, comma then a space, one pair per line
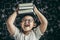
43, 20
10, 26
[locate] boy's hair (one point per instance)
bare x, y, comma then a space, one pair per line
28, 14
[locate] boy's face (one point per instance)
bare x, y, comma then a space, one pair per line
27, 23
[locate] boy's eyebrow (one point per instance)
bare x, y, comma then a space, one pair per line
27, 19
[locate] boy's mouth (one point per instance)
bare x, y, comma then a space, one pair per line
26, 25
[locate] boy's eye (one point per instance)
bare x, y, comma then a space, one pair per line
29, 20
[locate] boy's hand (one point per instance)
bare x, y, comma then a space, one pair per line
35, 9
16, 10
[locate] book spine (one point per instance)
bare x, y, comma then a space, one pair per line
25, 11
25, 4
30, 7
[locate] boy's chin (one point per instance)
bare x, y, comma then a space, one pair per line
27, 30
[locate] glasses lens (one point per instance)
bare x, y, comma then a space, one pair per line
29, 20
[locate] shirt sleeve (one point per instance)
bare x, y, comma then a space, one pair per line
16, 33
37, 32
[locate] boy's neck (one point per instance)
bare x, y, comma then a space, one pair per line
27, 32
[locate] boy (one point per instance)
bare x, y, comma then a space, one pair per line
27, 23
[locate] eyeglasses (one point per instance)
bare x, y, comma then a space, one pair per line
29, 20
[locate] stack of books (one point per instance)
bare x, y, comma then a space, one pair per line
25, 8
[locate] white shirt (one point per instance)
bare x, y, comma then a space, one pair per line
33, 35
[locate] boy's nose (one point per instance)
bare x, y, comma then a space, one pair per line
27, 23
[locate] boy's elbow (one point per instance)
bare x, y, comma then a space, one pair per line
46, 22
8, 22
44, 26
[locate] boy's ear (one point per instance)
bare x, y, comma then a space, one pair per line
34, 24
